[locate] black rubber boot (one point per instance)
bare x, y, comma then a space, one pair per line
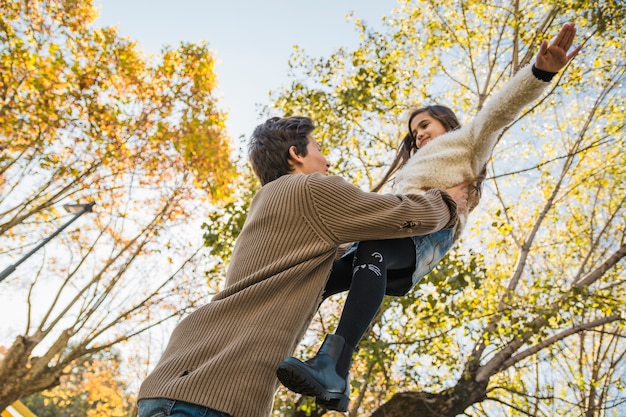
318, 377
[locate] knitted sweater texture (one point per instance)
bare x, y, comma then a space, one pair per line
224, 355
460, 155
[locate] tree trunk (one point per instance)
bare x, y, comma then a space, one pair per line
21, 375
423, 404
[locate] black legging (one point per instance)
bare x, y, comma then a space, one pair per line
377, 267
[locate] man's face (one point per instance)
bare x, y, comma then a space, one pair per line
314, 161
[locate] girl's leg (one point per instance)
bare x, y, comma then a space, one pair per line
325, 376
369, 281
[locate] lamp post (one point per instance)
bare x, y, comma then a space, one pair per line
76, 209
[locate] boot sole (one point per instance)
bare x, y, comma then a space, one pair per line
340, 404
292, 377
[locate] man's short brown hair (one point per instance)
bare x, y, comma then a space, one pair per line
268, 149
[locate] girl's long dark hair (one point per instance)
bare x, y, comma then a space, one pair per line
408, 145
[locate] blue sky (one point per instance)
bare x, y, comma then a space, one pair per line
252, 40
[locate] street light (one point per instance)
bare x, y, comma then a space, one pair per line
76, 209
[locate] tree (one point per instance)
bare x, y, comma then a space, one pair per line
85, 116
540, 274
92, 388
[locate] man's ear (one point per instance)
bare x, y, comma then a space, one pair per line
294, 157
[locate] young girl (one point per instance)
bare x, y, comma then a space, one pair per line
436, 153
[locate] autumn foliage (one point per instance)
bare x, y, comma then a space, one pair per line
85, 116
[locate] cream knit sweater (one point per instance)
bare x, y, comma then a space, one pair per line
224, 355
460, 155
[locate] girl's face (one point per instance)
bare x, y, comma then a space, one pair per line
425, 128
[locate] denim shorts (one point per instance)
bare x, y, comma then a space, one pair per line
161, 407
429, 250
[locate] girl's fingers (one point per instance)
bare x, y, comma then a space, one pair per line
574, 52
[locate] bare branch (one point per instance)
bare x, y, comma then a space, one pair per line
598, 272
558, 337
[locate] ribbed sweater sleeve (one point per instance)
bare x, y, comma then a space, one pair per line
350, 214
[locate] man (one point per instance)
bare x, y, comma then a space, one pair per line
221, 360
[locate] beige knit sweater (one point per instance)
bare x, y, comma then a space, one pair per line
224, 355
460, 155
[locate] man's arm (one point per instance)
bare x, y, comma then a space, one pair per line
351, 214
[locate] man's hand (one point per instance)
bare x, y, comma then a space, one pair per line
553, 57
459, 194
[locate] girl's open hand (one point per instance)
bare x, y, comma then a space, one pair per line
553, 57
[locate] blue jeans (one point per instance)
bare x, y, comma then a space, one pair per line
161, 407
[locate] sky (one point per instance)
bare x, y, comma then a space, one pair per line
251, 40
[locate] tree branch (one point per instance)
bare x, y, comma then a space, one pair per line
558, 337
598, 272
